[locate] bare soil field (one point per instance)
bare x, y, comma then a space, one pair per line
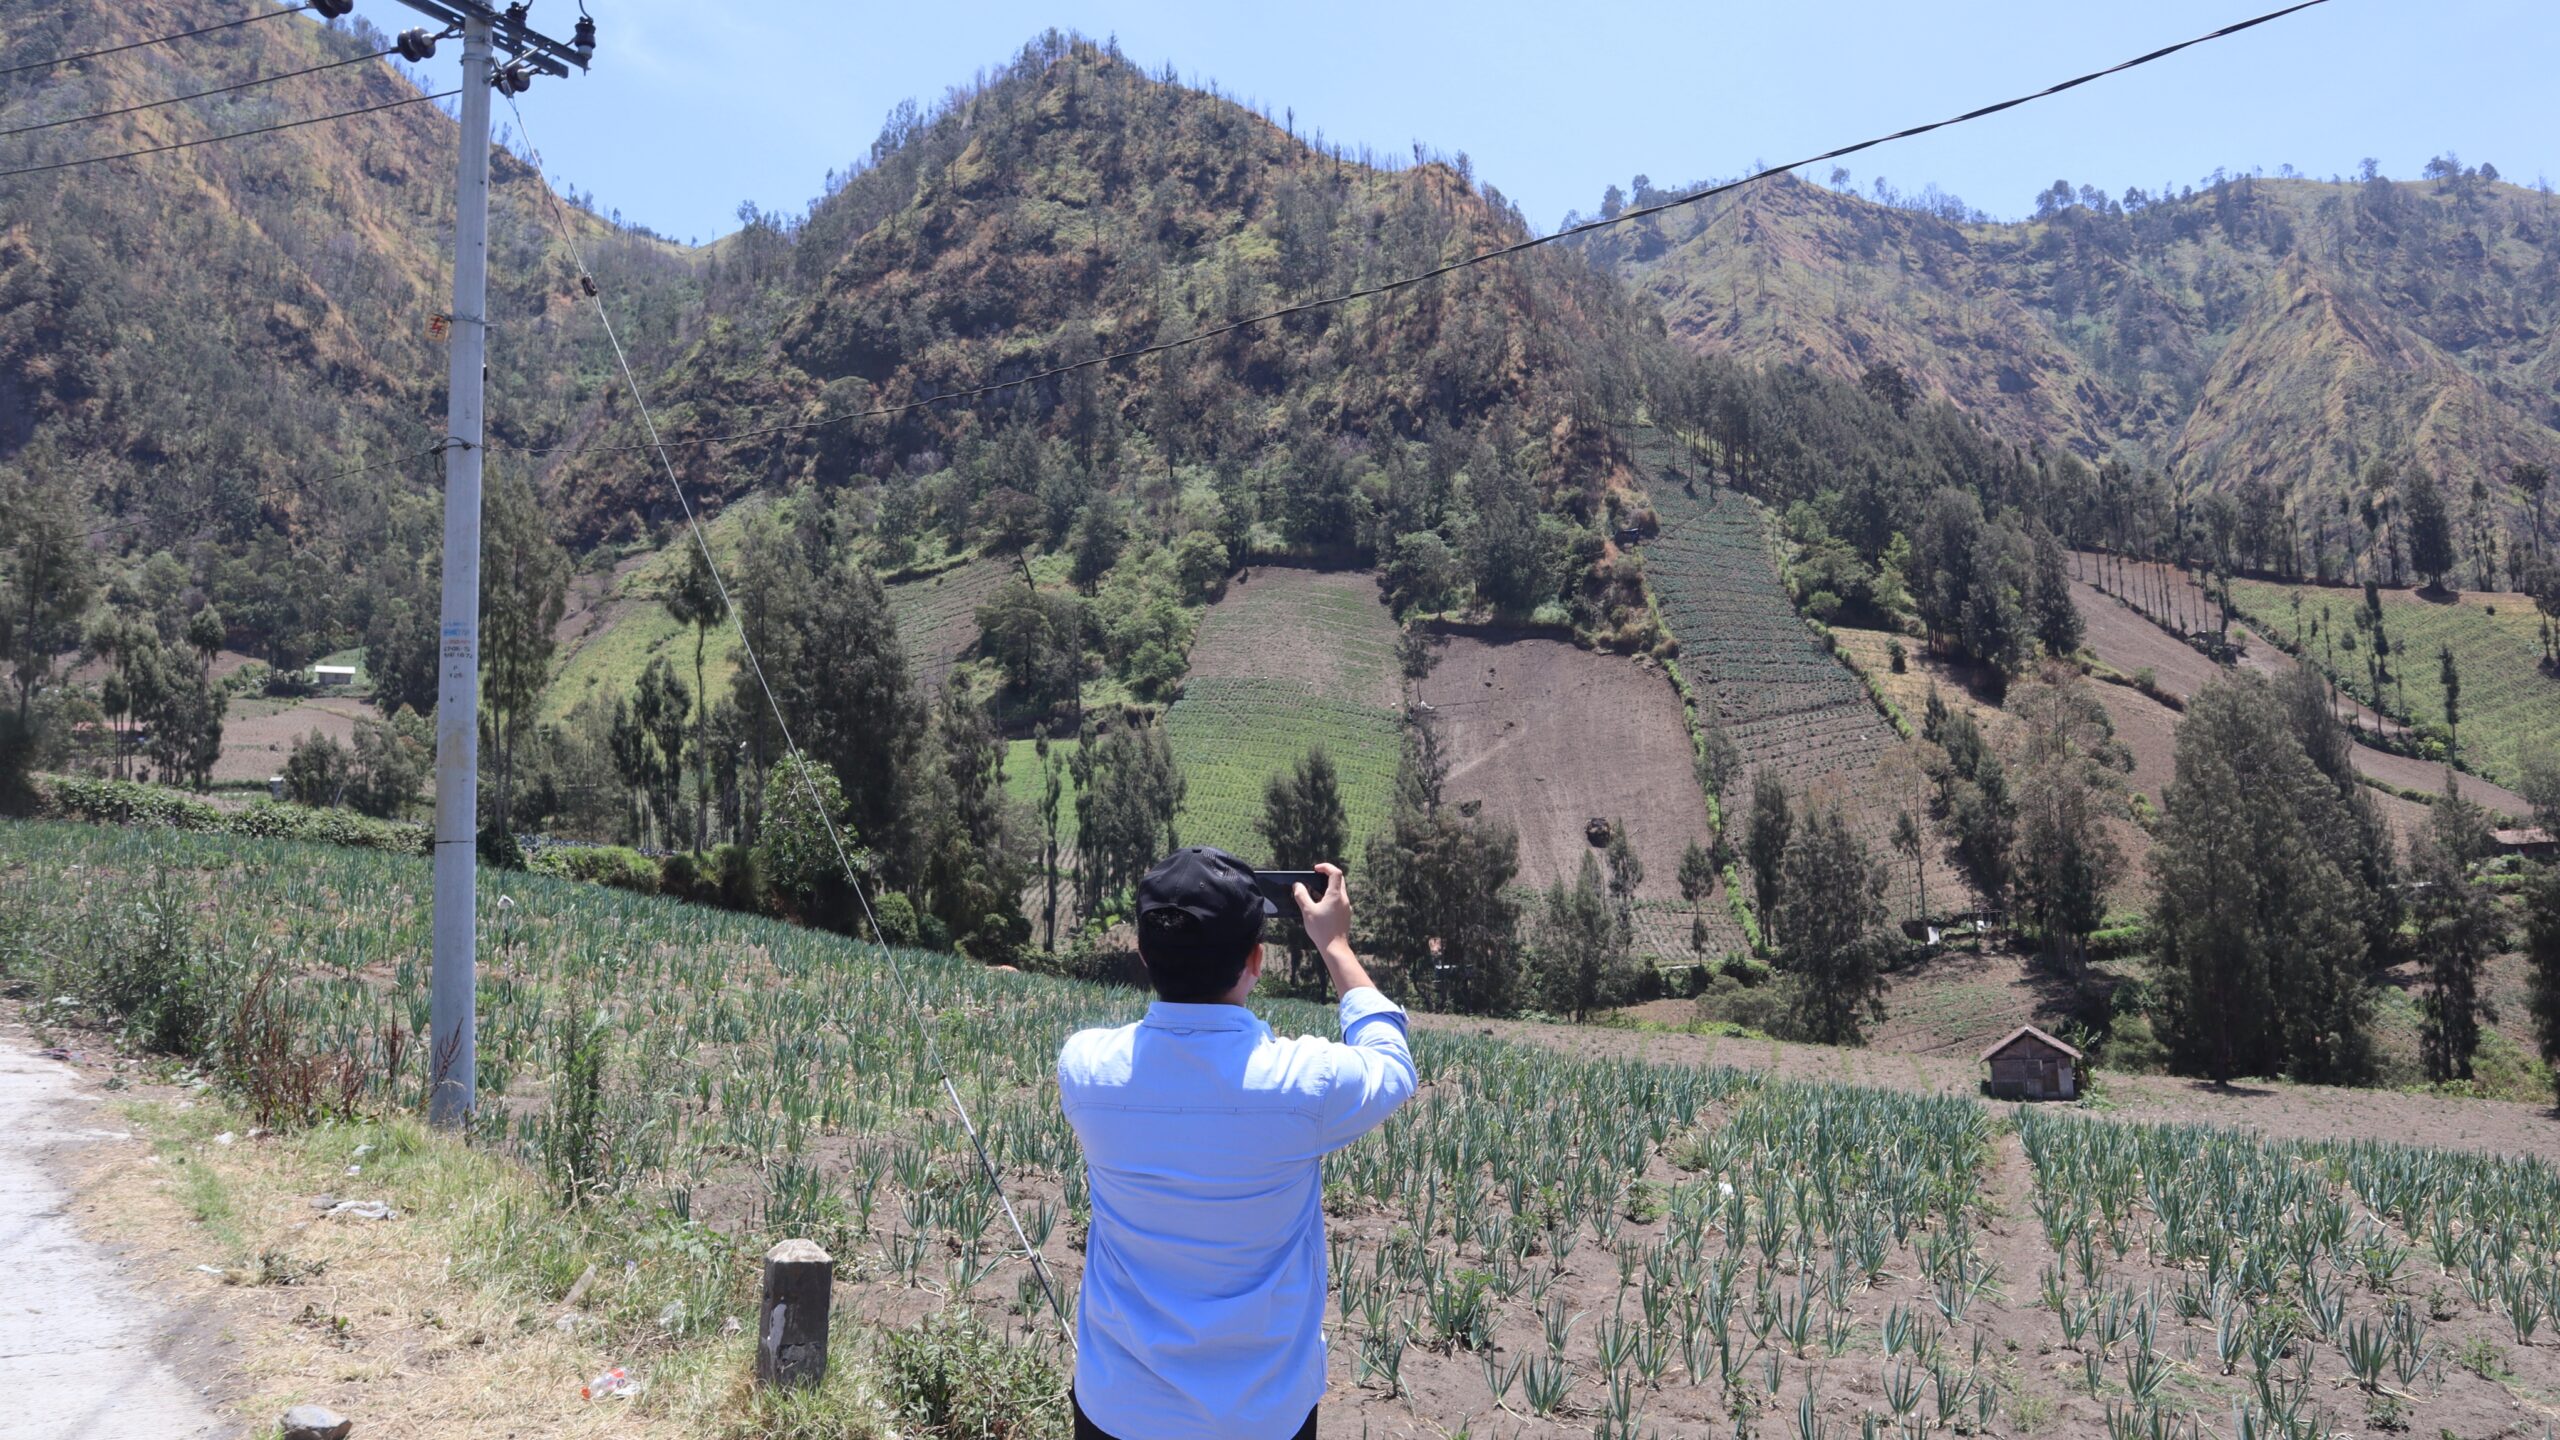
258, 735
1548, 738
1324, 629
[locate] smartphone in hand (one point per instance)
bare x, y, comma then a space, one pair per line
1277, 887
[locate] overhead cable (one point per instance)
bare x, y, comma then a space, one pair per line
1386, 287
233, 135
155, 40
835, 836
198, 95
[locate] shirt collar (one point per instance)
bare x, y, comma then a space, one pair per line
1195, 1019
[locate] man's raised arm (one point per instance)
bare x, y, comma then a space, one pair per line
1373, 1067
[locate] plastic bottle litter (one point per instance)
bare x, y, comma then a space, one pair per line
615, 1382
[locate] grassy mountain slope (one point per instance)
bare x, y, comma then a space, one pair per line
2290, 331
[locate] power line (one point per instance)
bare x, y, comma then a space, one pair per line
199, 95
1500, 252
156, 40
755, 665
240, 134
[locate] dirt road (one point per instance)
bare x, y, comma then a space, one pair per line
80, 1351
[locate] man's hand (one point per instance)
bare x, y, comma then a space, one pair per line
1328, 922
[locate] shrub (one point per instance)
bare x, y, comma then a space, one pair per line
317, 771
268, 820
122, 802
151, 971
498, 847
955, 1378
613, 865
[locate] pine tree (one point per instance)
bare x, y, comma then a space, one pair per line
1303, 823
524, 587
2542, 959
1697, 882
2457, 931
1833, 913
1626, 872
1437, 898
1765, 847
2065, 860
2261, 958
1128, 794
1583, 962
698, 602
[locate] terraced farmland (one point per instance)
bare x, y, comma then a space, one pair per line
1549, 738
1287, 660
2510, 701
1788, 704
1232, 736
938, 616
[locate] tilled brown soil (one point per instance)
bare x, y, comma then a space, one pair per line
1549, 738
1324, 629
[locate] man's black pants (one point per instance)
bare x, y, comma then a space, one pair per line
1087, 1430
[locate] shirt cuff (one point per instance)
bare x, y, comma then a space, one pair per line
1367, 1002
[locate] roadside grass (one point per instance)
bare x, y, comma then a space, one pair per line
454, 1316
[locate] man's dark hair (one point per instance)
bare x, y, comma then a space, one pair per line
1185, 963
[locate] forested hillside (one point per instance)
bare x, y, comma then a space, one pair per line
195, 346
2305, 341
1073, 206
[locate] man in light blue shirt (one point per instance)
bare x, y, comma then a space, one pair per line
1202, 1309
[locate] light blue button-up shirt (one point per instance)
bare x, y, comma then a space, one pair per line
1202, 1307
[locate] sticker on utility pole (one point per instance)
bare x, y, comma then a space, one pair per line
439, 326
457, 641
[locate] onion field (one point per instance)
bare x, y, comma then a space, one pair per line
1542, 1242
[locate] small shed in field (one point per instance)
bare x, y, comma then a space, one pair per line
333, 676
2531, 841
2031, 1065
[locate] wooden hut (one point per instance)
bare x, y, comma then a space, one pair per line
2028, 1064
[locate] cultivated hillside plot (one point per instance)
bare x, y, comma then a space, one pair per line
938, 616
1322, 629
1287, 660
2510, 699
2121, 634
1787, 703
1550, 738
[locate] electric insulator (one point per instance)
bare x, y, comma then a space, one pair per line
332, 9
588, 284
584, 39
516, 13
416, 46
513, 79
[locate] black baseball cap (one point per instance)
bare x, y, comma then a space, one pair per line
1215, 889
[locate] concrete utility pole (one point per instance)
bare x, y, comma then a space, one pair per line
452, 1014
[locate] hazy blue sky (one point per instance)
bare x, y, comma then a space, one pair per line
696, 106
